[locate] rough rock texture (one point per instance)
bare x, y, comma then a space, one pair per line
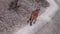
11, 20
